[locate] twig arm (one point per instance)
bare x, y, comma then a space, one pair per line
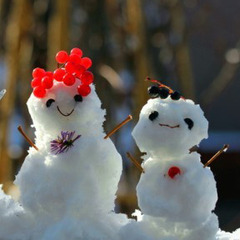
135, 162
27, 138
224, 149
129, 118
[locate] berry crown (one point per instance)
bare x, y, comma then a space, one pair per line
70, 67
162, 91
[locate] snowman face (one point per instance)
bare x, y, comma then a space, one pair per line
63, 109
167, 127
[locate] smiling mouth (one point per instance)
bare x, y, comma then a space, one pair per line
65, 115
166, 125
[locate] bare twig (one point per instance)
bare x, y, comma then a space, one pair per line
27, 138
129, 118
194, 149
224, 149
135, 162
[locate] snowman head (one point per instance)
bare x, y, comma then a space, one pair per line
169, 125
66, 99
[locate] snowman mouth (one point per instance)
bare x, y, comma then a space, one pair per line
166, 125
65, 115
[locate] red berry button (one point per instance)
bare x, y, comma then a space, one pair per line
87, 78
86, 62
39, 92
69, 79
47, 82
38, 72
58, 74
173, 171
84, 90
77, 51
61, 57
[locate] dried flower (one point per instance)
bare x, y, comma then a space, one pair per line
64, 143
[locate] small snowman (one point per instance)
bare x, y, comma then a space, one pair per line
176, 194
68, 184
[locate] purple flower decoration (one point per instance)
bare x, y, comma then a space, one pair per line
64, 143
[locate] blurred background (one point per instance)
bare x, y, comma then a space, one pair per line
191, 45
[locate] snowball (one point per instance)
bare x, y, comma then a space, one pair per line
168, 135
86, 119
85, 176
190, 197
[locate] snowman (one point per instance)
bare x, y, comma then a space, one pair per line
176, 194
68, 184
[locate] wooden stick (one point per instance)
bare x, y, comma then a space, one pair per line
27, 138
194, 149
224, 149
129, 118
135, 162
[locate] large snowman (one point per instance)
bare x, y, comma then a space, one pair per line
68, 185
176, 194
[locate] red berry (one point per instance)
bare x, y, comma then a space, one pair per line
47, 82
69, 79
49, 74
79, 70
86, 62
58, 74
77, 51
39, 92
38, 72
61, 57
75, 59
70, 68
36, 82
84, 90
173, 171
87, 78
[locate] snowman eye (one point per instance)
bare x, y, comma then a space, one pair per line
189, 122
153, 115
49, 102
78, 98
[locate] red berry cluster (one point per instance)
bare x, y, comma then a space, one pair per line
72, 66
